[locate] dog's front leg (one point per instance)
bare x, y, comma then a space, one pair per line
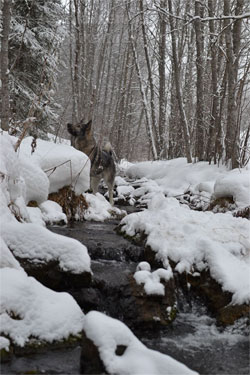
94, 182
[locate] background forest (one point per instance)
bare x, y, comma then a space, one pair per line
160, 78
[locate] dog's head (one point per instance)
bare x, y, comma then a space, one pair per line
79, 129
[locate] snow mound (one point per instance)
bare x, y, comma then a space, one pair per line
36, 181
63, 164
30, 310
202, 240
52, 212
4, 343
100, 209
235, 184
39, 244
107, 333
152, 280
176, 176
7, 259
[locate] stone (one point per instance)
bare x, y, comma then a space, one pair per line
53, 277
90, 362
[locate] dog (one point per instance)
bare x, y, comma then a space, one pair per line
102, 161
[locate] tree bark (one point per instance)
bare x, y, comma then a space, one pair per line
149, 128
199, 146
232, 49
178, 86
162, 81
5, 99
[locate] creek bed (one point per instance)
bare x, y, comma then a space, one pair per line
193, 338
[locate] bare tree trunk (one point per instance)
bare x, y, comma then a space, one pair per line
199, 146
150, 78
72, 67
232, 50
150, 132
5, 100
178, 86
162, 81
214, 118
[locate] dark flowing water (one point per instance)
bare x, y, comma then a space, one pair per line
193, 338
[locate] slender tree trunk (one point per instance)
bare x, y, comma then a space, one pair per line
150, 78
162, 80
72, 69
232, 49
149, 129
199, 11
178, 86
5, 100
214, 118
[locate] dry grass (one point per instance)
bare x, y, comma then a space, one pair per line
222, 204
245, 213
72, 205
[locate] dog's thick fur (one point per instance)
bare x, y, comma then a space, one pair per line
102, 162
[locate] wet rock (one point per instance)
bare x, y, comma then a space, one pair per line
228, 315
90, 362
217, 300
52, 276
146, 311
6, 355
115, 291
34, 346
102, 241
52, 361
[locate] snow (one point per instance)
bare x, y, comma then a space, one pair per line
7, 259
4, 343
175, 177
100, 209
235, 184
152, 280
34, 242
52, 212
36, 181
124, 190
197, 239
193, 240
63, 164
107, 333
30, 310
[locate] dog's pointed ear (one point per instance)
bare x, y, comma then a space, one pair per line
70, 129
89, 124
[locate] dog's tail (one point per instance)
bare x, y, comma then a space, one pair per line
108, 148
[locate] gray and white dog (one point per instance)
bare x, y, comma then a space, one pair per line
102, 161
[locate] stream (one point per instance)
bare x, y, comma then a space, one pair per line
193, 338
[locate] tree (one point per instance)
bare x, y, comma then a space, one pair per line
176, 73
35, 36
232, 36
4, 60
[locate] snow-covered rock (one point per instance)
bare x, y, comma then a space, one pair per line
219, 242
235, 184
122, 353
63, 164
30, 310
100, 209
152, 280
33, 242
7, 259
